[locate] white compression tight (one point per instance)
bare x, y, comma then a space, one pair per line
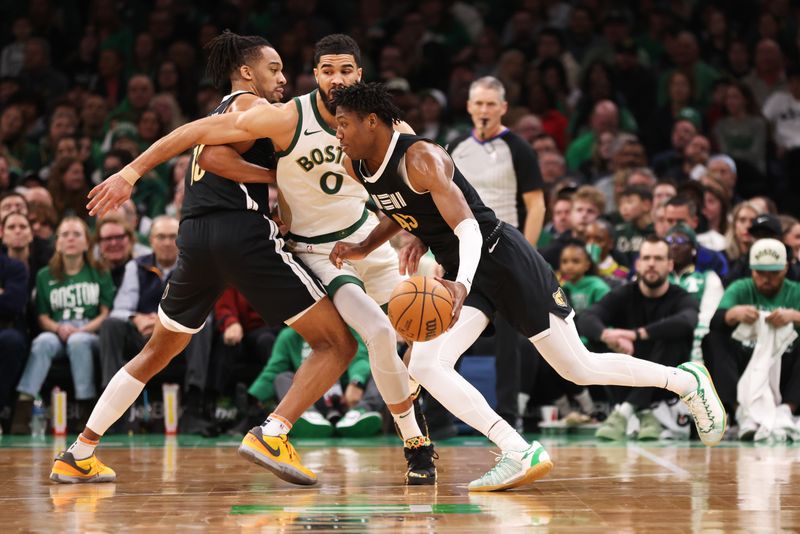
433, 365
561, 346
365, 317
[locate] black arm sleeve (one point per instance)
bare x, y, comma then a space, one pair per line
718, 320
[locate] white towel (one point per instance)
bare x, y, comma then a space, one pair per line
758, 391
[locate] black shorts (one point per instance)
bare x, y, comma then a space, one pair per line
515, 281
240, 249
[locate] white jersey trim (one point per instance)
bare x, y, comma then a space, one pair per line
389, 151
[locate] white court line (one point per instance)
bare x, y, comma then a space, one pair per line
666, 464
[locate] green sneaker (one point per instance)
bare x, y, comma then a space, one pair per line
705, 405
359, 423
312, 425
515, 469
613, 428
649, 427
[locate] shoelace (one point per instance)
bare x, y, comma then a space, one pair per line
503, 470
700, 395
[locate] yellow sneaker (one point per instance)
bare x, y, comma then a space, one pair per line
276, 454
68, 470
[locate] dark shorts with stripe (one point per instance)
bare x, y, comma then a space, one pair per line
241, 249
515, 281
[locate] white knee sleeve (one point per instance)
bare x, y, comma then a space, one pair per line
365, 317
561, 347
433, 365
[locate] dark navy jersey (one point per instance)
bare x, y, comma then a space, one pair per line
416, 212
207, 192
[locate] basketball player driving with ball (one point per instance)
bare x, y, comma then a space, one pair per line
490, 268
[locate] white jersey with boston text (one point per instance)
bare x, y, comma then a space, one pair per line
316, 196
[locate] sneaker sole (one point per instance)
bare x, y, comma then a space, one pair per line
67, 479
420, 481
533, 474
279, 469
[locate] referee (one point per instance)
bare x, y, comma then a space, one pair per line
504, 170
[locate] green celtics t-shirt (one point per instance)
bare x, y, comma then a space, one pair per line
743, 291
75, 298
585, 292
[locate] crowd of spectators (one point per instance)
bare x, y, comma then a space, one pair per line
679, 120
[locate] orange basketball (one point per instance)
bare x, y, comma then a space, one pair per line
420, 308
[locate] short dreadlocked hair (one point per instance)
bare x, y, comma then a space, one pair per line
366, 98
337, 43
229, 51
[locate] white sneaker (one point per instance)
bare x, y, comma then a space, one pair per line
312, 424
705, 405
515, 469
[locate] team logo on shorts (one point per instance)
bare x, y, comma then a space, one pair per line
560, 298
166, 290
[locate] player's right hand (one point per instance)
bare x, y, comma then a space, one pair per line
109, 195
343, 251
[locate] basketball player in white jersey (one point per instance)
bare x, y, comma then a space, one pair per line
321, 205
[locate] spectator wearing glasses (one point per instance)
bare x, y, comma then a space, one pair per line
114, 241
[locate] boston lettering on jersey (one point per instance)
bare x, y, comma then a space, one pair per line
207, 192
416, 212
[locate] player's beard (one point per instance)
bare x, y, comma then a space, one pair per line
327, 102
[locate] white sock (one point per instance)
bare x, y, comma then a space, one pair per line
275, 425
680, 382
407, 424
506, 438
83, 447
121, 392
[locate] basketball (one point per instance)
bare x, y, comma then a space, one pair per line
420, 308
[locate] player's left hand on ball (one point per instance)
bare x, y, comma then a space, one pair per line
109, 195
459, 294
343, 251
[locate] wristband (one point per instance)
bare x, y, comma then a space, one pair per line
129, 175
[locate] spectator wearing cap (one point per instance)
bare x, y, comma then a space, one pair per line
684, 210
723, 168
782, 110
754, 321
765, 226
705, 287
503, 169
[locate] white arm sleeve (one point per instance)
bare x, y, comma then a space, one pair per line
470, 242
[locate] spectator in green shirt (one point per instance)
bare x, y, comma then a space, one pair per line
73, 297
767, 294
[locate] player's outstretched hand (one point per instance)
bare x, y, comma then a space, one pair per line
343, 251
459, 294
410, 255
109, 195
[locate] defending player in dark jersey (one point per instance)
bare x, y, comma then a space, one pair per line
226, 238
490, 268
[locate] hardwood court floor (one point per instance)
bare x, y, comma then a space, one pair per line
202, 485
